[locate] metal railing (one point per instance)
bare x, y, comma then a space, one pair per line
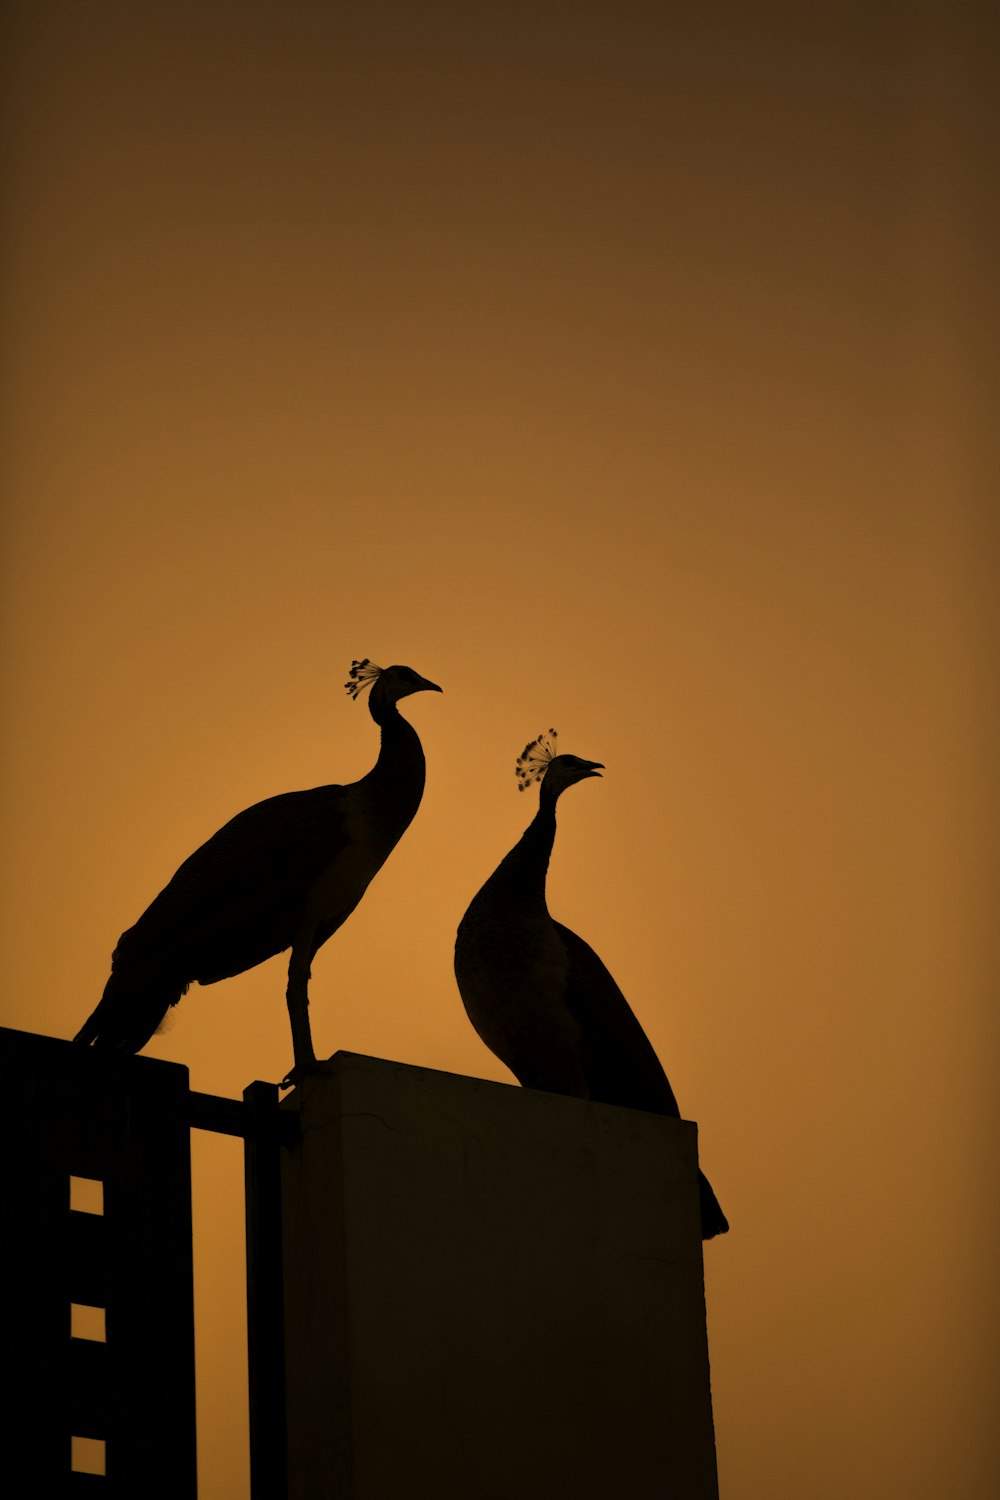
97, 1251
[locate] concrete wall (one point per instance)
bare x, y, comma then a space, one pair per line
491, 1292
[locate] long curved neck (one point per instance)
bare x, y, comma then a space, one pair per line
520, 877
395, 784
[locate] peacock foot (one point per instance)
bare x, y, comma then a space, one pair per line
303, 1070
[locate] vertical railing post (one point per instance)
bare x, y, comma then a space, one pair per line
265, 1314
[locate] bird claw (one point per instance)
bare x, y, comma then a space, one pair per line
302, 1071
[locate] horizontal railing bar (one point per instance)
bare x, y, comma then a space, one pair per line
232, 1117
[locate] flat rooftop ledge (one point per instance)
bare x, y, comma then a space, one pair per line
491, 1291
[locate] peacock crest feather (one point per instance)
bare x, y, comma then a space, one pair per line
535, 758
361, 675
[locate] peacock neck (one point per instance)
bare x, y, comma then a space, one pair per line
520, 878
395, 784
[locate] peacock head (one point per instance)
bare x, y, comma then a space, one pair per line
388, 684
539, 761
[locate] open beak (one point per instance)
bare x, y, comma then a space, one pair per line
595, 767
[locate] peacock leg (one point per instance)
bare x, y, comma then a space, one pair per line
297, 997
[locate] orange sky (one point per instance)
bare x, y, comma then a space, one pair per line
618, 370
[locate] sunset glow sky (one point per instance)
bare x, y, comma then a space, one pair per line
621, 370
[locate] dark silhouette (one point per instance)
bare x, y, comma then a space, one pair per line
538, 995
285, 873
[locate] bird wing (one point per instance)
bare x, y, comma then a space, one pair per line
618, 1061
234, 901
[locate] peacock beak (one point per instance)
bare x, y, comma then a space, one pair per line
430, 687
594, 767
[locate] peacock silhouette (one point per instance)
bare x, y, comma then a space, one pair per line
538, 995
284, 873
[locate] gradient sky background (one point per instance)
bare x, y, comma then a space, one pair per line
619, 369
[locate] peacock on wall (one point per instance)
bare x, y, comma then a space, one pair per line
285, 873
538, 995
